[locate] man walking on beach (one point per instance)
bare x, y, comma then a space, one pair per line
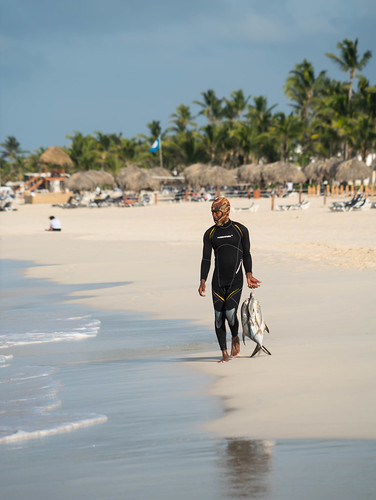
231, 245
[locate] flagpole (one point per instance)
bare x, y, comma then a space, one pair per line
160, 152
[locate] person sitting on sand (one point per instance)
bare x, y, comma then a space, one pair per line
231, 245
55, 224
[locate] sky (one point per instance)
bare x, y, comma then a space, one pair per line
115, 65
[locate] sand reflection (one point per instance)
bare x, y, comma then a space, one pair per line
245, 466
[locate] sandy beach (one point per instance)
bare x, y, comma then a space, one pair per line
318, 273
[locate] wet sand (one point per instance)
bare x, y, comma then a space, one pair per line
318, 273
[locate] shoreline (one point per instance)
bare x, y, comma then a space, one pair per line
316, 384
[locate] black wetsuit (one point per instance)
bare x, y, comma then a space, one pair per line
231, 246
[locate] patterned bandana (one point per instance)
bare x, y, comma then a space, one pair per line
222, 205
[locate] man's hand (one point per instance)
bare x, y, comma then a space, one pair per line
252, 282
201, 288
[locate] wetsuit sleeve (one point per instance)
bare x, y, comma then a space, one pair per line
206, 256
247, 258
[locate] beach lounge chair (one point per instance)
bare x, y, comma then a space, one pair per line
6, 204
356, 203
252, 208
363, 204
303, 205
116, 200
341, 206
74, 201
101, 201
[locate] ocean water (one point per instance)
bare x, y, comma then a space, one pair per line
96, 404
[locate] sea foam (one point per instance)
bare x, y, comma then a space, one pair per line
81, 331
58, 428
29, 404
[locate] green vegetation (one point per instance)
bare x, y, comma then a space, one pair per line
328, 118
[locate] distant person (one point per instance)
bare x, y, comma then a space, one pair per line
55, 224
231, 245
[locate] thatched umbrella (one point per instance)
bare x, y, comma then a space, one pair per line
89, 180
160, 176
201, 175
352, 170
160, 172
328, 168
101, 178
282, 172
313, 172
196, 175
249, 174
219, 176
80, 182
134, 178
55, 156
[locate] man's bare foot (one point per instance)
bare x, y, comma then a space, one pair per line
225, 357
235, 346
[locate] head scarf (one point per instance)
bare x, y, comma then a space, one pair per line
223, 205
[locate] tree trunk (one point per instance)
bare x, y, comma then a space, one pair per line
352, 73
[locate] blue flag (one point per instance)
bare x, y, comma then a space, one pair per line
155, 146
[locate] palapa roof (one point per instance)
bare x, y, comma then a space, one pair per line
312, 172
160, 172
336, 169
201, 175
322, 170
89, 180
352, 170
134, 178
162, 177
56, 156
282, 172
329, 167
317, 171
249, 174
196, 175
219, 176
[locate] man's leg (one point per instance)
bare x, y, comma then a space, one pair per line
231, 308
219, 321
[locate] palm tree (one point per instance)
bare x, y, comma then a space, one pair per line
211, 107
349, 60
304, 89
362, 121
335, 110
145, 141
187, 149
259, 120
245, 141
184, 146
260, 114
365, 99
236, 105
103, 145
13, 153
302, 86
128, 149
362, 135
286, 131
155, 129
32, 162
213, 138
108, 146
83, 150
182, 119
